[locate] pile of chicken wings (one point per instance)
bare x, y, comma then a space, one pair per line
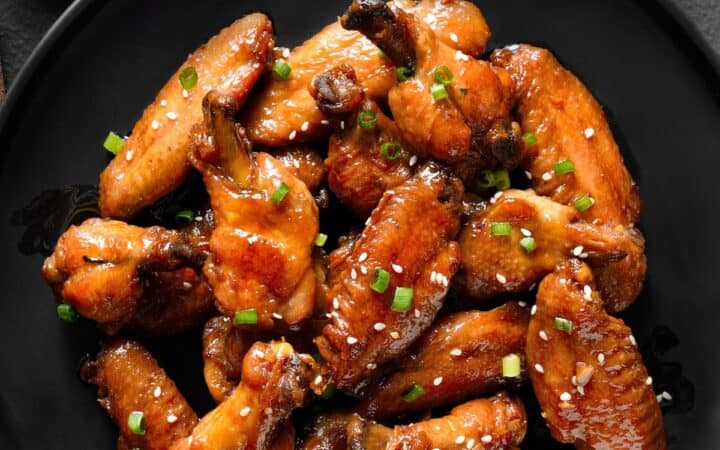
475, 183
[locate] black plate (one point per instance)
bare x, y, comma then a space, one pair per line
102, 63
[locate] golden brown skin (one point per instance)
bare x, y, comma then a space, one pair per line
275, 381
593, 386
493, 265
281, 107
570, 124
303, 162
498, 422
153, 162
260, 252
224, 347
472, 128
410, 235
129, 379
482, 338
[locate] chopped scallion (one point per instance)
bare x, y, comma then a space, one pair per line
328, 393
487, 179
66, 312
414, 393
500, 228
530, 139
390, 150
188, 78
246, 317
279, 195
563, 324
136, 422
281, 69
583, 203
367, 119
184, 217
321, 239
501, 179
438, 92
443, 75
563, 167
403, 73
380, 280
511, 366
113, 143
528, 244
402, 300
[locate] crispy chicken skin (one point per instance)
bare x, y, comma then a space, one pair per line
410, 235
224, 347
482, 338
592, 384
493, 265
280, 108
303, 162
570, 124
358, 174
275, 381
153, 162
498, 422
260, 252
129, 379
472, 127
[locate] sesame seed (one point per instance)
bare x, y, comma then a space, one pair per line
528, 175
363, 269
155, 124
486, 439
456, 352
453, 37
632, 340
318, 379
587, 292
128, 155
157, 392
573, 380
648, 381
525, 232
336, 303
172, 418
522, 304
417, 313
577, 251
292, 135
277, 316
379, 326
547, 176
234, 47
286, 53
539, 368
171, 115
371, 366
501, 278
245, 411
659, 398
460, 56
460, 439
470, 443
397, 268
533, 310
187, 285
351, 340
185, 93
589, 132
342, 124
325, 122
305, 126
353, 274
543, 335
666, 395
433, 276
395, 335
413, 160
601, 358
163, 103
437, 381
565, 396
532, 286
362, 257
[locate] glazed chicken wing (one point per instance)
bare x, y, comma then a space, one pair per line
570, 125
459, 357
407, 246
266, 221
495, 262
282, 111
153, 161
130, 380
586, 370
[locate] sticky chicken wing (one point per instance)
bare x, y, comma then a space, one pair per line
542, 233
282, 111
130, 380
586, 370
454, 107
407, 244
570, 125
266, 221
153, 161
459, 357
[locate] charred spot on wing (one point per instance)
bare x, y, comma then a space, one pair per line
337, 91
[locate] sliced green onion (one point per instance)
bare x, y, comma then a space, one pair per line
328, 392
500, 228
318, 357
438, 92
66, 312
564, 167
381, 54
136, 422
443, 75
380, 280
583, 203
563, 324
390, 150
501, 179
113, 143
414, 393
367, 119
528, 244
246, 317
511, 366
403, 73
321, 239
281, 69
402, 300
487, 179
279, 195
530, 139
184, 217
188, 78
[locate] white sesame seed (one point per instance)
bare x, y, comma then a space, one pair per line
258, 354
277, 316
172, 418
395, 335
666, 395
245, 411
318, 379
417, 313
632, 340
532, 286
413, 160
362, 257
336, 303
363, 270
539, 368
528, 175
155, 124
187, 285
325, 122
128, 155
601, 358
351, 340
460, 56
648, 381
565, 396
573, 380
547, 176
470, 443
171, 115
433, 276
342, 124
543, 335
525, 232
305, 126
589, 132
163, 103
501, 278
453, 37
397, 268
577, 251
522, 304
460, 439
587, 292
659, 398
286, 53
371, 366
456, 352
379, 326
185, 93
353, 274
234, 47
157, 392
533, 310
292, 135
486, 439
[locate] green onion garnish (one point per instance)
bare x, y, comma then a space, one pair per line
530, 139
583, 203
321, 239
528, 244
113, 143
443, 75
402, 300
381, 54
184, 217
502, 179
318, 357
563, 324
380, 280
415, 392
66, 312
511, 366
390, 150
136, 422
487, 179
367, 118
246, 317
279, 195
438, 92
328, 393
188, 78
500, 228
403, 73
281, 69
564, 167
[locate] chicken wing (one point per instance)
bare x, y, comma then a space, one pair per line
275, 381
454, 107
570, 125
586, 370
495, 262
407, 243
459, 357
282, 111
266, 221
130, 380
153, 161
